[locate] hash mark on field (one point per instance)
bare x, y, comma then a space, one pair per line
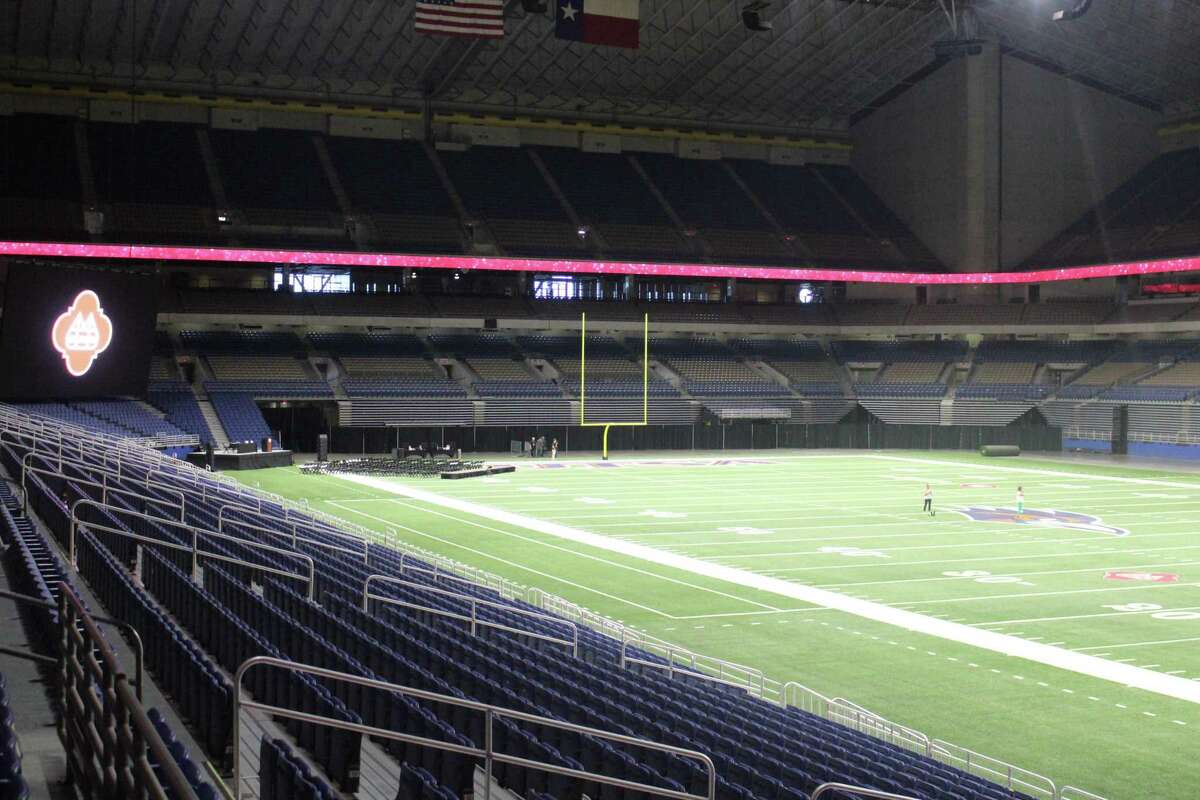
1150, 714
1069, 691
1179, 722
1122, 705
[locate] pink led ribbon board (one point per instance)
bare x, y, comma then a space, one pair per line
465, 263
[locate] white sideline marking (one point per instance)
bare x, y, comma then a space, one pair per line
1124, 674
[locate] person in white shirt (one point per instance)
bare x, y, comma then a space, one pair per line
1020, 500
928, 495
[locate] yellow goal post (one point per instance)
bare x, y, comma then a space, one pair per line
583, 423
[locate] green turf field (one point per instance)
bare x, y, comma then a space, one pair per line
851, 523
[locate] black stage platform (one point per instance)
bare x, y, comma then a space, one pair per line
223, 460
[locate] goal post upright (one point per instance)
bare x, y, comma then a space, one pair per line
583, 423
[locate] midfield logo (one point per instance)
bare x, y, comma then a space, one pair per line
1041, 518
82, 332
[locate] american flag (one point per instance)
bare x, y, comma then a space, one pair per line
480, 18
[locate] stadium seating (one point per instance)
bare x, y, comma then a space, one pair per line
402, 387
243, 342
865, 351
762, 751
76, 415
883, 389
12, 784
130, 415
276, 171
999, 390
366, 344
36, 569
1135, 220
179, 405
240, 416
284, 776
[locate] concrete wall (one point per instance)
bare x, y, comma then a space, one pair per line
1065, 146
911, 152
989, 156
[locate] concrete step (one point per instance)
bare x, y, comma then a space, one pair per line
214, 422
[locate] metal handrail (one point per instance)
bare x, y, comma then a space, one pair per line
501, 586
861, 791
104, 472
754, 678
195, 550
105, 489
490, 712
221, 520
138, 651
995, 770
475, 602
792, 689
1075, 793
78, 630
867, 721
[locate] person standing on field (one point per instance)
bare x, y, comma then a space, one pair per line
553, 449
928, 495
1020, 500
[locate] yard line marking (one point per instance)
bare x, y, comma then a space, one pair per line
1084, 616
1037, 471
1137, 644
1074, 661
1147, 587
647, 573
1024, 574
547, 575
1029, 556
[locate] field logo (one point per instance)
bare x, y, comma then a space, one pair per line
1042, 518
1151, 577
82, 332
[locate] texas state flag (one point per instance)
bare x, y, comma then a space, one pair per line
609, 22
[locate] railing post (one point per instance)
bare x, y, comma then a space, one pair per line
474, 612
489, 720
195, 556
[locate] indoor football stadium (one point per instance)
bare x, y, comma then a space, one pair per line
599, 399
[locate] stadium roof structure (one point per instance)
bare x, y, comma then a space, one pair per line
824, 63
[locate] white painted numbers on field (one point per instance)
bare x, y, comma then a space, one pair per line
854, 552
1155, 607
983, 576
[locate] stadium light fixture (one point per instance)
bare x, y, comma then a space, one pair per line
1074, 12
752, 17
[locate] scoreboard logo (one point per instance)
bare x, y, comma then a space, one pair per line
82, 332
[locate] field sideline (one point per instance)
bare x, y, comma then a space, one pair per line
1103, 564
